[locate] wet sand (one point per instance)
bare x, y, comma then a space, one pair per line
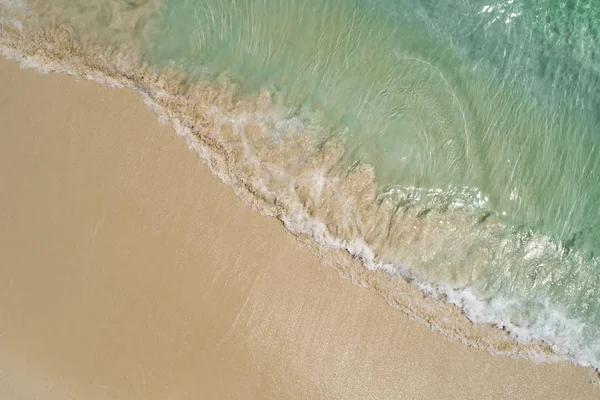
128, 271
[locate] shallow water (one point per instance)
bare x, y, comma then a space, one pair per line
455, 143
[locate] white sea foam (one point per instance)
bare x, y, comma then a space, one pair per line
563, 334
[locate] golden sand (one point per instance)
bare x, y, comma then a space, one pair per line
128, 271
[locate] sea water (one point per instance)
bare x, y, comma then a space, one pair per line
455, 143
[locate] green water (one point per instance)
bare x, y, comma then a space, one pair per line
460, 106
432, 95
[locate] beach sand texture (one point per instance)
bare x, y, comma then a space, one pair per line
128, 271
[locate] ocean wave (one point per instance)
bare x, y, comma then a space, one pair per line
440, 255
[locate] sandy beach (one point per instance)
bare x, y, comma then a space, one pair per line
128, 271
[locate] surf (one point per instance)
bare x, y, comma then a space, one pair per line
379, 135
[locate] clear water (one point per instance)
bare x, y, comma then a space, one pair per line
478, 121
500, 97
492, 107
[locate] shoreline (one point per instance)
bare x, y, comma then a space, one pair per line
440, 260
189, 108
140, 293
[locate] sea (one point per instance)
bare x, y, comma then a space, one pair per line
450, 144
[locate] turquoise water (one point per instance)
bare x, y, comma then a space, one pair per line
475, 123
465, 107
499, 97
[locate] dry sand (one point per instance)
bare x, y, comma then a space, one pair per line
127, 271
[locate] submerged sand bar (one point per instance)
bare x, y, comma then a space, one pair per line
128, 271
